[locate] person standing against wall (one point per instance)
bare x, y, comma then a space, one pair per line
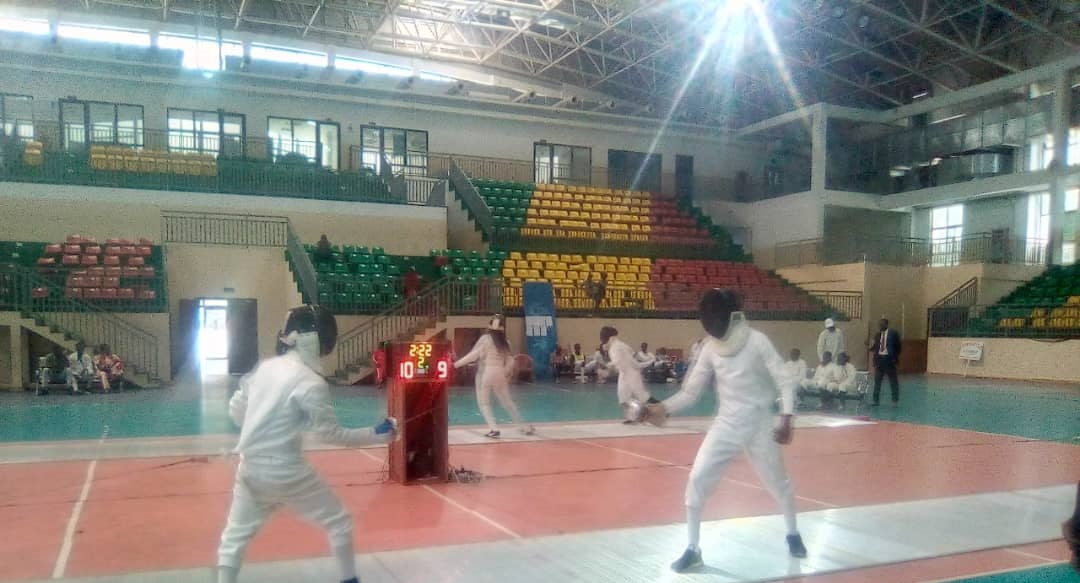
830, 340
886, 351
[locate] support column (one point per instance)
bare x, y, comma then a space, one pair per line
818, 137
1059, 128
17, 346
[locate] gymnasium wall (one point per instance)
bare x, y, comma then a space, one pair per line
677, 334
982, 216
793, 217
468, 131
45, 212
1009, 358
260, 273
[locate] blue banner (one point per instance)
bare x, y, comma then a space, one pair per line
540, 332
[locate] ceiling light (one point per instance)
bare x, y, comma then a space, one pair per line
864, 20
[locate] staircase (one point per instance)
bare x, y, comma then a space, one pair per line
418, 318
65, 321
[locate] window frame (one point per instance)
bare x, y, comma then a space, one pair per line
945, 250
139, 143
221, 135
549, 168
318, 139
15, 121
406, 168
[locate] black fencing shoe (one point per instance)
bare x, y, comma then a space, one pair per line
493, 434
795, 546
690, 559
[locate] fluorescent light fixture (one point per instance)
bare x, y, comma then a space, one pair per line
287, 55
200, 54
24, 25
920, 95
436, 77
950, 118
104, 34
349, 64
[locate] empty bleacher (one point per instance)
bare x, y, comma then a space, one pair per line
1048, 305
113, 275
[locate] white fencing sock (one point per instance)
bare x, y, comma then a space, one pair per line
346, 562
227, 574
693, 527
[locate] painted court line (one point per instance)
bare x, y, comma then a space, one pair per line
1032, 555
475, 513
687, 468
76, 511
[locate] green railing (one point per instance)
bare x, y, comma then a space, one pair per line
1006, 321
449, 296
661, 314
583, 241
246, 177
76, 319
847, 305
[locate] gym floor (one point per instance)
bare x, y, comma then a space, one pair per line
968, 478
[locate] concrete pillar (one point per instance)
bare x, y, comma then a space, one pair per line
1059, 129
16, 344
818, 134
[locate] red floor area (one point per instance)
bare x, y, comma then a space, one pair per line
164, 513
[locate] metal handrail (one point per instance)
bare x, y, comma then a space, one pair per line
305, 270
965, 295
1006, 321
79, 319
224, 229
472, 199
849, 304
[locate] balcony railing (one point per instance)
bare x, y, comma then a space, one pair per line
1005, 321
171, 160
974, 248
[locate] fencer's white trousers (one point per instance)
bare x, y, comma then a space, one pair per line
631, 386
749, 432
495, 382
257, 493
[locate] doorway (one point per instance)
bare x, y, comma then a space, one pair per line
221, 335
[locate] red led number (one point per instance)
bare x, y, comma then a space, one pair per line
407, 370
444, 370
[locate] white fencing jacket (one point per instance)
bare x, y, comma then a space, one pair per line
843, 377
488, 355
280, 400
747, 373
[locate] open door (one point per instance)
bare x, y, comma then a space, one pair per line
187, 330
243, 325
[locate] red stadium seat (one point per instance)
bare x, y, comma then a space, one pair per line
73, 292
89, 260
125, 293
112, 260
71, 260
39, 292
136, 261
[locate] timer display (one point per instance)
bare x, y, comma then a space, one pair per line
421, 361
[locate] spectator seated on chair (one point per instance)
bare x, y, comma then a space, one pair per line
842, 379
324, 252
110, 369
597, 368
561, 365
578, 359
820, 380
795, 367
55, 370
523, 368
82, 369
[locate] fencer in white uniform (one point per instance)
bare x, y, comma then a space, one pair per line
630, 385
283, 397
843, 376
748, 376
492, 351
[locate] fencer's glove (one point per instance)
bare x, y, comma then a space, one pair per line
387, 431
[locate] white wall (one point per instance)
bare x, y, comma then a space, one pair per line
456, 133
1009, 358
776, 220
122, 212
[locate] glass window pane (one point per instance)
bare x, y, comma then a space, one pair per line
370, 138
417, 141
1072, 200
328, 140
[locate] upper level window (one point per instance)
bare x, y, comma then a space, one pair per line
206, 132
315, 141
105, 34
946, 231
561, 164
96, 122
17, 116
405, 150
25, 25
350, 64
1042, 150
201, 53
286, 55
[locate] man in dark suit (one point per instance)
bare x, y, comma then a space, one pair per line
886, 350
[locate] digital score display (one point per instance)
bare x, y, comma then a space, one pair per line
421, 361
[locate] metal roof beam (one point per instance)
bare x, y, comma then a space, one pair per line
1030, 23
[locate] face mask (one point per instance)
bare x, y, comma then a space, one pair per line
307, 346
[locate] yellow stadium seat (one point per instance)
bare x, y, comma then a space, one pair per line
515, 255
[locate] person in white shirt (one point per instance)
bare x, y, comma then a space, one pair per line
821, 374
81, 369
830, 340
842, 376
748, 375
283, 397
795, 365
492, 351
644, 355
631, 385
